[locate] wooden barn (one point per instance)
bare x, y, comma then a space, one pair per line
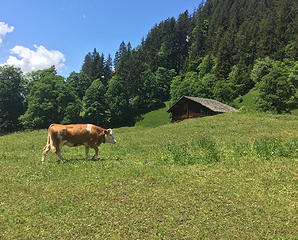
193, 107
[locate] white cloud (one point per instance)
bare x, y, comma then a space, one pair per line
31, 60
4, 29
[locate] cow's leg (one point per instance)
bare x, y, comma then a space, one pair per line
96, 153
59, 154
58, 151
46, 148
57, 144
87, 151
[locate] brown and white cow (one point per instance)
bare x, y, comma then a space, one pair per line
89, 135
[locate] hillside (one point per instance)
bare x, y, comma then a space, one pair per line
155, 118
230, 176
220, 51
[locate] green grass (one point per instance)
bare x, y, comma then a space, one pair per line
229, 176
248, 101
295, 112
155, 118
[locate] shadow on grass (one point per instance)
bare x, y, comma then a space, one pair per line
76, 160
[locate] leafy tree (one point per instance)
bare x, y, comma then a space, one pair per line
94, 104
190, 85
176, 90
260, 69
293, 79
11, 98
31, 78
278, 89
223, 91
50, 101
205, 86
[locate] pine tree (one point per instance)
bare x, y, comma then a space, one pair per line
107, 70
87, 65
79, 82
121, 52
120, 110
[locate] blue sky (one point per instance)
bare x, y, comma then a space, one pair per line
37, 33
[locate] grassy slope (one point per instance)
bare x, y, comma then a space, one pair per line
248, 102
155, 118
133, 194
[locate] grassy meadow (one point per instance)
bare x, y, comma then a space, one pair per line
230, 176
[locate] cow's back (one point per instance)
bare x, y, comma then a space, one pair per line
75, 134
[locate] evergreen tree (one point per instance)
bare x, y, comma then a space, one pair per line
107, 71
224, 56
164, 79
69, 105
240, 80
93, 65
182, 32
121, 52
146, 98
198, 38
97, 65
79, 82
88, 65
120, 110
213, 50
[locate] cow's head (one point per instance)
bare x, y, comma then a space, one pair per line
109, 136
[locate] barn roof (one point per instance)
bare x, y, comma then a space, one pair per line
212, 104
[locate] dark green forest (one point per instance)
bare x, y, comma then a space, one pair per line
222, 50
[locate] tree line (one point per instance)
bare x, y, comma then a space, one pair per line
221, 51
